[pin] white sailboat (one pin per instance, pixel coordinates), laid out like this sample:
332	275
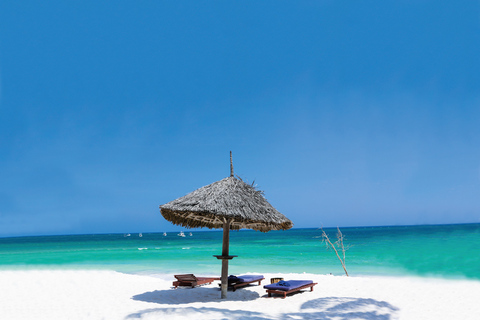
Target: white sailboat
181	234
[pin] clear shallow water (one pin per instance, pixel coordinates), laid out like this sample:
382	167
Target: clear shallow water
449	251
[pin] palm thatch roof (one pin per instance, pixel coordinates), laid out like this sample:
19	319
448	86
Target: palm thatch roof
229	198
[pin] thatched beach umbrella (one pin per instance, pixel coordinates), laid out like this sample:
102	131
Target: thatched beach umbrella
230	204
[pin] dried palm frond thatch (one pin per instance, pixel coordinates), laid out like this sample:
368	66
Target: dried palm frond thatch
229	198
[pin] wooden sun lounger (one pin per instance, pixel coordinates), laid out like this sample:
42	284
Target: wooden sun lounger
285	292
189	280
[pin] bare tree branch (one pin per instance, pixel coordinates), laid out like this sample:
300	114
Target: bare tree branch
339	244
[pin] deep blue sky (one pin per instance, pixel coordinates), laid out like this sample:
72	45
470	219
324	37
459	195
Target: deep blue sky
347	113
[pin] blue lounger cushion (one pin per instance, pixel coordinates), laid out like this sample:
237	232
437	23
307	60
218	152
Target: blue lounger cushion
245	278
288	285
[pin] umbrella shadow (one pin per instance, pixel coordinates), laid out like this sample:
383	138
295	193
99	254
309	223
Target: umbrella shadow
185	296
344	308
198	313
328	308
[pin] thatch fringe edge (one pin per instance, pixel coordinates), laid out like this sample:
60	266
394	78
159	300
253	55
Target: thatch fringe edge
189	219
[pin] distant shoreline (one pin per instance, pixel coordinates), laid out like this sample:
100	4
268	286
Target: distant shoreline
176	230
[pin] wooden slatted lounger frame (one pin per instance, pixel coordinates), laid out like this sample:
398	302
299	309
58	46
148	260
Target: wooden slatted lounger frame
285	292
189	280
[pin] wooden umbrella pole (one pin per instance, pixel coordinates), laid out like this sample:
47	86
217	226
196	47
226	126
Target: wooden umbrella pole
231	165
225	246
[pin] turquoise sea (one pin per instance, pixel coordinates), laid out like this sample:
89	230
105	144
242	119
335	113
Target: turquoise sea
449	251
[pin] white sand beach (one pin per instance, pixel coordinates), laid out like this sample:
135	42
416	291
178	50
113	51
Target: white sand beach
65	294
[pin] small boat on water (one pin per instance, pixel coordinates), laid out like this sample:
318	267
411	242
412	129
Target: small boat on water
190	234
164	234
181	234
140	235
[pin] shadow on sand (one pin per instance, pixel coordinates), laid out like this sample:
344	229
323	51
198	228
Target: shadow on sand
199	294
329	308
198	313
344	308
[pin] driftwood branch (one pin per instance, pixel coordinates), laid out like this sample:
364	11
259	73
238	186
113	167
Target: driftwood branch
338	244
